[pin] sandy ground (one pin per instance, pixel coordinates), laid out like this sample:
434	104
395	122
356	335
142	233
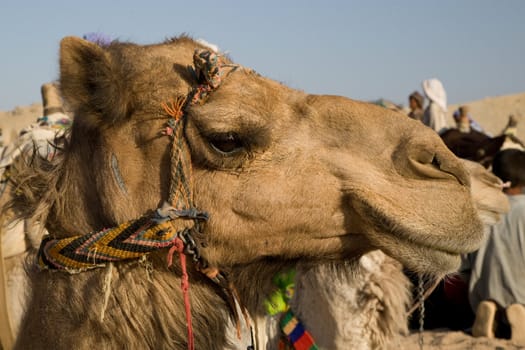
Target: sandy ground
451	340
493	112
11	122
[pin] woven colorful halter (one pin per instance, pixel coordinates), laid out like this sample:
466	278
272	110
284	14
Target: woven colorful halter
136	238
154	230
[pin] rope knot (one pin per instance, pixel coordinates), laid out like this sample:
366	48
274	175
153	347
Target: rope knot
207	67
174	107
177	247
209	72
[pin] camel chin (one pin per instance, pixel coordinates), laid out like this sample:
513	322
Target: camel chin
420	258
422	252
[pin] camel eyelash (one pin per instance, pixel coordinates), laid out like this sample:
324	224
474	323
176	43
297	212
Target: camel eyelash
227	144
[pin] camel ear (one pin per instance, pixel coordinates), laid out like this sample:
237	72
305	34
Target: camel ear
89	82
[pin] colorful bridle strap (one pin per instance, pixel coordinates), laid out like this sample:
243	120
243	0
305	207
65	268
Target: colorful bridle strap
295	332
129	240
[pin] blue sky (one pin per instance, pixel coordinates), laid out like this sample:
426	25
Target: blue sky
360	49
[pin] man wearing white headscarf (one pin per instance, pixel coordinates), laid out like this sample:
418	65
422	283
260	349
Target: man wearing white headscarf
435	115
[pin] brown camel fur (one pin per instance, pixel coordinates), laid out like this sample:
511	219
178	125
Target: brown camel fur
284	175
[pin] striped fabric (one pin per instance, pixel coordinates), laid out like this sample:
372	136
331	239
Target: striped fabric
130	240
295	333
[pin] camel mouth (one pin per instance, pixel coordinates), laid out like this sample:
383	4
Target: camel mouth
416	256
420	250
422	258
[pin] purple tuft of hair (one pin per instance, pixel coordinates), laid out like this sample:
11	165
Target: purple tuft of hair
98	38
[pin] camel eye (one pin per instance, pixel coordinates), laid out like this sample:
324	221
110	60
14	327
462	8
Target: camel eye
226	144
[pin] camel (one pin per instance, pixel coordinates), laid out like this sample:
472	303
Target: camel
283	176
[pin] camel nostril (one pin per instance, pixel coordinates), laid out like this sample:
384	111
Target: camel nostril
451	166
435	162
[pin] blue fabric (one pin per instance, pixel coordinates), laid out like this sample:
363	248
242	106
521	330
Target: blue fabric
296	333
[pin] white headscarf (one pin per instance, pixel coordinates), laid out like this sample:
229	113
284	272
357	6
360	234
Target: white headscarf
435	91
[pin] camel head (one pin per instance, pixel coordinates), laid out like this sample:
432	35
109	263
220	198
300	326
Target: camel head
283	174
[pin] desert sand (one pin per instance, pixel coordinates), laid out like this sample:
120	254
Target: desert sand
491	112
12	122
451	340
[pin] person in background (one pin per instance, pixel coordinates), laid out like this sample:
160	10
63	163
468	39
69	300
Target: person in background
464	121
415	102
497	281
435	115
511	129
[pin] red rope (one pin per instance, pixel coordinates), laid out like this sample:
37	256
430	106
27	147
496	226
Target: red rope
178	246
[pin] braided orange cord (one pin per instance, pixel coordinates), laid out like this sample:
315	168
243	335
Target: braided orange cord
174	107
